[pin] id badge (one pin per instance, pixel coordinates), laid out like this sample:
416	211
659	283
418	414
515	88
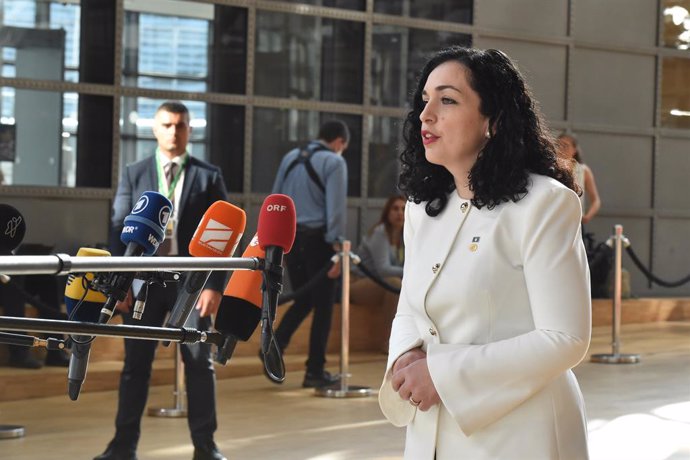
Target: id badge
170	228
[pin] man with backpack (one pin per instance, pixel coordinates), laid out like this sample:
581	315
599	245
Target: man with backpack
315	177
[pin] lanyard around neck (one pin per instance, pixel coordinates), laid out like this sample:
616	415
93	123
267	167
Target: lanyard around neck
161	175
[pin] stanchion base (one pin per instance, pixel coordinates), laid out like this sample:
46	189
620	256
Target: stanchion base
620	358
169	412
11	431
337	391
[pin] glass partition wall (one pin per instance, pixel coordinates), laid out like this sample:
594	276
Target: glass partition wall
259	79
80	81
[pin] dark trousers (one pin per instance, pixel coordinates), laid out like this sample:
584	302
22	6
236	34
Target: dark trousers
134	381
309	254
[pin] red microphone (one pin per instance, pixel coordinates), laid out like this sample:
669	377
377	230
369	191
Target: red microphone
277	223
276	231
241	307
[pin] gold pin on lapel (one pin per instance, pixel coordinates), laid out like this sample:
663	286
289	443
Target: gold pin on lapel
435	268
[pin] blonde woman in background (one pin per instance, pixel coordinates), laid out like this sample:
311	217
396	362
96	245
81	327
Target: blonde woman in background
584	178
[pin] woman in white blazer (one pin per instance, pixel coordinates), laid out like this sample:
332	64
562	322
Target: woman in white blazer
495	308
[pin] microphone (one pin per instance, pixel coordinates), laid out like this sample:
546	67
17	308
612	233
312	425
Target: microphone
217	235
80	307
143	232
83	304
276	231
239	312
12	229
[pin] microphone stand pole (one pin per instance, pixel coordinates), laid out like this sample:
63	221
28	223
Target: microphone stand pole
11	431
182	335
344	390
179	392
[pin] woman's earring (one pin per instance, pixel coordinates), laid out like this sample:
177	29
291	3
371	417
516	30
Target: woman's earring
487	134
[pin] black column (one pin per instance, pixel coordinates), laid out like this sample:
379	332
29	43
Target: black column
96	65
228	53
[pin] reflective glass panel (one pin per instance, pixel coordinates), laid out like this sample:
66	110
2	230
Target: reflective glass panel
288	129
675	93
200	47
39	39
38	137
384	150
459	11
306	57
398	54
676	23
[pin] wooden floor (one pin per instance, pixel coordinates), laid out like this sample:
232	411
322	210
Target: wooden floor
635	411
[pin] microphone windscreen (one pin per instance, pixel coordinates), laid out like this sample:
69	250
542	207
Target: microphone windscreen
277	222
12	229
219	231
145	225
90	308
239	312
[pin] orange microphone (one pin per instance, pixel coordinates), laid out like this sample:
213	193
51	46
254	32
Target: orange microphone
240	310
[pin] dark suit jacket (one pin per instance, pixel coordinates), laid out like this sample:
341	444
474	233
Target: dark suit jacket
203	185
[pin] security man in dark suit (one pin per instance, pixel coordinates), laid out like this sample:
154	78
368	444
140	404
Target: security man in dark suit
192	185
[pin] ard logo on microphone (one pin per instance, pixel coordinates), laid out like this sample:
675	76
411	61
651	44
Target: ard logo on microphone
164	215
276	207
141	204
216	236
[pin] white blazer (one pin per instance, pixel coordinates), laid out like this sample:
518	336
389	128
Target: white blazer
499	300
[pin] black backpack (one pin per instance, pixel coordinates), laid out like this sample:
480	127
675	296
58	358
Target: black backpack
600	261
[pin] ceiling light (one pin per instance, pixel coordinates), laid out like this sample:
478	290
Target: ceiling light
678	14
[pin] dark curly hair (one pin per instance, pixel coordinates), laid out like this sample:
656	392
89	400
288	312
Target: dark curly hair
519	143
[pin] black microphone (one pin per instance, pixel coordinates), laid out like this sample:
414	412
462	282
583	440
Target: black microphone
83	304
143	232
217	235
276	232
240	308
12	229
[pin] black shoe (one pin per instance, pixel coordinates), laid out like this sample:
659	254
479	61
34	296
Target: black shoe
208	453
318	380
25	362
112	453
58	358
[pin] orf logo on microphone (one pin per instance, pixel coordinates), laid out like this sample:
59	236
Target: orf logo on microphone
276	208
141	204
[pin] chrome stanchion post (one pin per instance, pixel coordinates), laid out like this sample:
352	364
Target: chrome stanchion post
344	390
11	431
615	357
179	393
